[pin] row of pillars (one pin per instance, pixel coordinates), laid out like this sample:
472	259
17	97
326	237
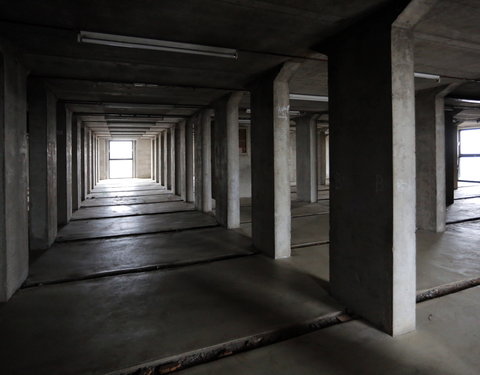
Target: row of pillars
372	159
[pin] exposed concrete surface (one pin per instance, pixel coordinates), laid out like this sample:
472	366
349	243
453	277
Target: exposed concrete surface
102	325
130	210
13	173
305	230
464	209
164	197
446	342
467	190
83	258
115	194
143	158
113	227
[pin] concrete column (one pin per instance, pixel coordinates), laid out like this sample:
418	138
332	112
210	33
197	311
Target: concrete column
171	159
270	140
227	184
372	150
86	188
322	157
13	174
158	159
180	161
189	159
306	149
64	164
451	157
165	154
430	163
76	161
42	139
203	162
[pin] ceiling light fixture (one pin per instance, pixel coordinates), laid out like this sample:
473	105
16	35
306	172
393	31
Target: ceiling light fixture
154	44
434	77
311	98
469	101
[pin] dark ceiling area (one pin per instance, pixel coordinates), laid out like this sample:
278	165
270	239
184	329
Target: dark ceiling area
265	33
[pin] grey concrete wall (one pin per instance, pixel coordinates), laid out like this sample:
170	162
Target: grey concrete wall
143	155
42	112
64	164
306	158
13	174
372	194
203	161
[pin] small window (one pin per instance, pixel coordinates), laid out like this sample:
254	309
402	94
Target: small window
242	140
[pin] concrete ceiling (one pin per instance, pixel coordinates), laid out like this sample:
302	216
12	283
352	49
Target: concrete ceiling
265	33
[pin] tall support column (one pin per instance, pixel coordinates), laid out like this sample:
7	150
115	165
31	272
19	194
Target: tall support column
227	169
171	159
76	163
270	138
430	151
180	181
166	168
189	159
42	137
372	138
86	158
158	158
64	164
451	157
322	157
203	162
13	174
306	149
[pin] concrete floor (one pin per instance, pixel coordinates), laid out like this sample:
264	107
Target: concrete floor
130	210
446	342
104	312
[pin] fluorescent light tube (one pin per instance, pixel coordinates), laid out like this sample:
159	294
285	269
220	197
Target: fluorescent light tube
154	44
311	98
434	77
470	101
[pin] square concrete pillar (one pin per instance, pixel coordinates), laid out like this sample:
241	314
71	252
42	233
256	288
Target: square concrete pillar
306	149
64	164
76	162
158	159
203	162
322	156
13	174
227	169
451	157
171	159
430	162
372	158
180	161
42	139
189	189
270	142
165	153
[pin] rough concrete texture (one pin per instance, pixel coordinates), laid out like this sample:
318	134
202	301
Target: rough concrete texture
464	209
64	164
227	180
372	251
131	200
130	210
123	226
467	190
96	257
136	318
180	160
307	163
189	158
430	160
445	343
270	133
143	158
13	174
203	162
42	138
118	194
